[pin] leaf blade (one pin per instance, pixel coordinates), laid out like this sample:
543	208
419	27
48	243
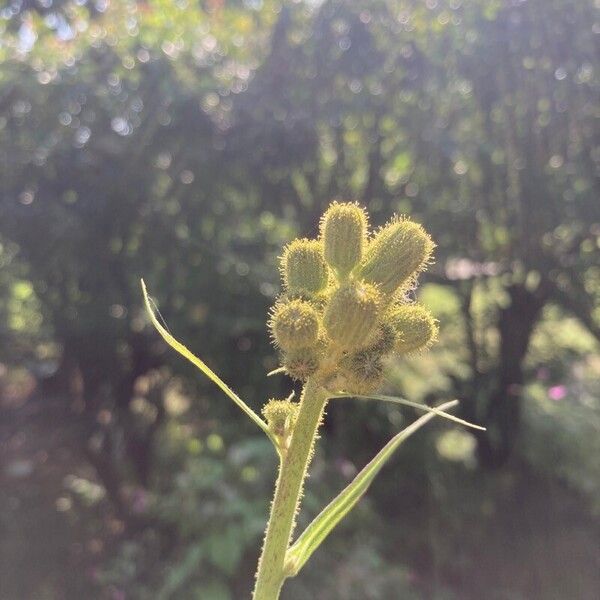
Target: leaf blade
186	353
416	405
312	537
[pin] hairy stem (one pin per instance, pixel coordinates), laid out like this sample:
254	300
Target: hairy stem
288	491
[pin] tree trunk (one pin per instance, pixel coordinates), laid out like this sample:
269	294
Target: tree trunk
503	412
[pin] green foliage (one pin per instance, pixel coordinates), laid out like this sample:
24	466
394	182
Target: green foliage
214	528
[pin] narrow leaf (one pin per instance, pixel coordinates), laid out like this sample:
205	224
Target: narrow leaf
417	405
276	371
312	537
179	347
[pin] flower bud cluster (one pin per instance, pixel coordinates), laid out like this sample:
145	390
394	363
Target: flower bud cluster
344	308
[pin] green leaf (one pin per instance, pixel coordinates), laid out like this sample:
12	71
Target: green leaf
417	405
181	572
179	347
312	537
224	550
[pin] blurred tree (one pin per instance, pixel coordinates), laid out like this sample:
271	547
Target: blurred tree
512	168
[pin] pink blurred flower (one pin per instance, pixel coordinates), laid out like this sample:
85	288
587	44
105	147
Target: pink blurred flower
557	392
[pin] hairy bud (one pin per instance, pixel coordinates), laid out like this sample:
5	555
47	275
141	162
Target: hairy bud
294	324
398	251
344	231
303	267
351	314
280	415
363	371
416	329
383	340
302	363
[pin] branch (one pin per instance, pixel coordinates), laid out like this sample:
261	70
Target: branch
579	304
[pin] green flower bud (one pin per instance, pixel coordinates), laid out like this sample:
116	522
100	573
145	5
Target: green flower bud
383	340
280	415
351	315
398	251
302	363
344	233
294	324
303	267
416	329
363	371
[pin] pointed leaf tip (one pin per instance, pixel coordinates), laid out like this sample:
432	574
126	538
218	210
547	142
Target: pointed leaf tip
416	405
186	353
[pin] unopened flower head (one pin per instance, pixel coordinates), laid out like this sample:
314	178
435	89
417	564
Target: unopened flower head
384	339
294	324
395	254
303	267
280	415
363	371
351	314
416	329
300	364
344	234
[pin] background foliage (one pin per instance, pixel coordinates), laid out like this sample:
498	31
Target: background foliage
185	142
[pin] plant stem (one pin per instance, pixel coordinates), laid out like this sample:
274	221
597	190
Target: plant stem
288	491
